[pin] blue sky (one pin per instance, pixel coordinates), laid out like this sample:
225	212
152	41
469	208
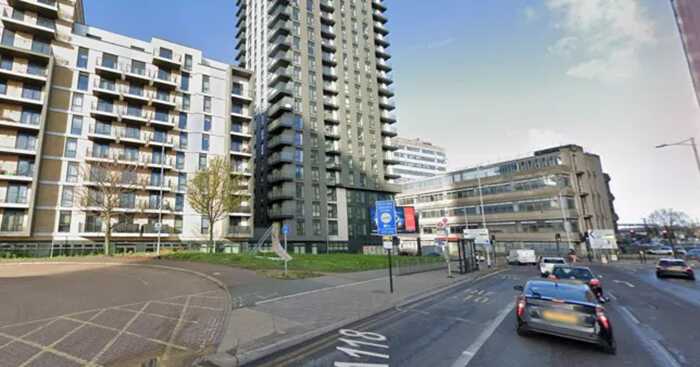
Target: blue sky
498	79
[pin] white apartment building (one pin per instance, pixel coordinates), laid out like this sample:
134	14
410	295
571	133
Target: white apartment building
418	159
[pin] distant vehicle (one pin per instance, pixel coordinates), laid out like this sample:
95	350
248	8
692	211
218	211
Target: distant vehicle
580	274
522	256
693	254
674	268
681	251
663	250
563	309
547	264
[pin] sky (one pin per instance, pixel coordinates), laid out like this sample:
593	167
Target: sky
494	80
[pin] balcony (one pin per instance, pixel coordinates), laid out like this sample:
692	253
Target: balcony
381	40
240	169
156	161
329	73
384	77
167	58
128	113
377	4
279	91
163	100
333	148
281	194
133	229
16	175
327	18
163	120
108	68
328	44
388	130
386	103
280	27
280	59
239	231
102	132
331	117
389	158
379	28
281	42
383	65
333	164
33	50
281	175
285	104
165	80
242	150
280	12
105	88
330	88
328	59
332	132
280	141
279	213
382	52
378	15
241	95
281	75
25	73
330	102
47	8
327	31
131	136
160	141
135	95
387	117
285	121
136	73
20	22
385	90
390	174
280	158
153	230
19	124
242	131
27	97
14	202
388	144
326	5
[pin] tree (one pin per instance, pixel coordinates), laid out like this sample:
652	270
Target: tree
212	193
669	219
103	185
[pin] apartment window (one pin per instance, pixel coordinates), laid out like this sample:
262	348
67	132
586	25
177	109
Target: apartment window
163	95
237	88
31	92
202	161
205	84
207	104
35	68
182	121
156	178
133	132
138	67
299	172
67	197
316	209
299	156
64	221
185	102
237	108
315	174
30	117
180	160
205	142
6	62
188	62
317	228
12	220
207	123
83	81
8	37
3	86
109	61
205	226
41	46
181	181
77	103
300	228
179	202
165	53
72	172
71	148
127	200
25	141
25	167
82	58
332	228
298	138
185	81
183	140
16	194
135	89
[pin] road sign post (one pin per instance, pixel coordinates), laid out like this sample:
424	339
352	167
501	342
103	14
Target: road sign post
385	212
285	230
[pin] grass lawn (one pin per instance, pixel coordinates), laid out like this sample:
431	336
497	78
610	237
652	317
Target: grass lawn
322	263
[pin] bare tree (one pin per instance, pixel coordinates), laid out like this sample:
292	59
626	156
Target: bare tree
212	193
669	219
103	185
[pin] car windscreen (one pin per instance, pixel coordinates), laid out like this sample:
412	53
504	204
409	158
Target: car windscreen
672	263
572	273
566	293
554	261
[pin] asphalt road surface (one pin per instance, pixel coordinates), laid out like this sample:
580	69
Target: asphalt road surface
59	315
655	323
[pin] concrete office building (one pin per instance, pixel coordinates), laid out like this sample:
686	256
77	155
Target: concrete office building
72	95
525	201
418	159
324	147
687	13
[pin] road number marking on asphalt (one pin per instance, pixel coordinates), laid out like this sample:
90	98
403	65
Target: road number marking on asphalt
624	282
354	339
477	296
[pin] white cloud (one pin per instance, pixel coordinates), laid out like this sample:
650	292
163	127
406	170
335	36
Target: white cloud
605	36
530	13
441	43
545	138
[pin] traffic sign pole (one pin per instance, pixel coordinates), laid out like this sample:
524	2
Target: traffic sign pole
391	277
285	230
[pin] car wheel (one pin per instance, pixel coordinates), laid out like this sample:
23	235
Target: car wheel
610	347
692	278
658	275
520	329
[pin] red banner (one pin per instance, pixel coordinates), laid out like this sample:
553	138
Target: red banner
409	214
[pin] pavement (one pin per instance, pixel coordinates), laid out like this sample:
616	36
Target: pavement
103	312
473	324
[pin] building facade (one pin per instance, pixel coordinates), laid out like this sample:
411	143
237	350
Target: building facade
324	147
418	159
687	13
73	96
524	202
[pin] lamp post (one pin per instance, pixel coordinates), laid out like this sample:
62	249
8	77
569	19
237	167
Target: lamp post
687	142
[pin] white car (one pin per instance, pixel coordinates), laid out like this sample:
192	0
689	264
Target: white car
663	250
547	264
522	256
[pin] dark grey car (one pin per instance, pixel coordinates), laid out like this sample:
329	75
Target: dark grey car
564	309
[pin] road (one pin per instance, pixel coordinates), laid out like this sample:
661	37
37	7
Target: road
655	324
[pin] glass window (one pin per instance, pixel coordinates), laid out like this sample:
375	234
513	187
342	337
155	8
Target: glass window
67	197
202	161
64	221
299	172
16	194
205	84
72	172
183	140
136	89
186	102
12	220
25	141
82	57
185	81
237	88
3	86
25	167
207	104
205	142
71	148
41	46
77	104
30	116
83	81
6	62
188	62
8	37
35	68
138	67
31	92
180	160
205	226
207	123
182	121
182	181
165	53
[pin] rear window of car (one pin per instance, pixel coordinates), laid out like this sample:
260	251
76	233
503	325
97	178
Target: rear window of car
578	294
554	261
672	263
572	273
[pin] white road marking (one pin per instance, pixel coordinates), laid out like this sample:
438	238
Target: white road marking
177	328
624	282
318	290
612	296
469	353
120	333
658	352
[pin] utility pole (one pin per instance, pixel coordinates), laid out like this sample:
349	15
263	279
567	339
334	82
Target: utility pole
687	142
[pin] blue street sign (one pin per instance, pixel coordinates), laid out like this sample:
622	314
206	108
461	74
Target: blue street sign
385	217
285	229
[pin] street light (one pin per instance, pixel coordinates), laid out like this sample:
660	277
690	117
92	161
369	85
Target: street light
687	142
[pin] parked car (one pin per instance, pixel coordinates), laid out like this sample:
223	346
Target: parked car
674	268
547	264
522	256
663	250
693	254
563	309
